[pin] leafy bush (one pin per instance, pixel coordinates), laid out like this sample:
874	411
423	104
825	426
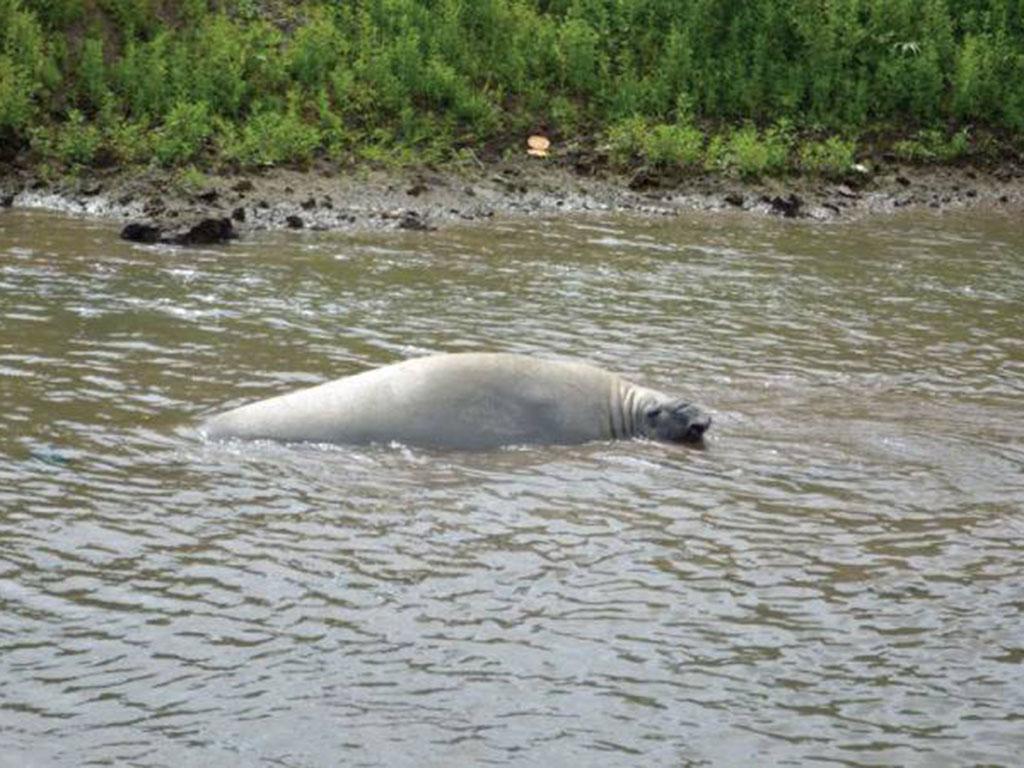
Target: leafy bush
77	140
409	76
831	158
673	145
92	76
626	139
753	154
930	146
184	133
15	104
270	138
128	142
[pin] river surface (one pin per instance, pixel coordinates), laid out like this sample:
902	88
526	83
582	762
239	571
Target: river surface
836	579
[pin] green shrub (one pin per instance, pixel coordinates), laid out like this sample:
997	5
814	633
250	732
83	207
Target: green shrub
753	154
831	158
77	140
314	51
92	76
128	142
271	138
626	140
217	67
673	145
184	133
932	145
407	76
142	77
15	103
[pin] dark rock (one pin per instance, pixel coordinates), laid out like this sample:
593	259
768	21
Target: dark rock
125	199
243	186
642	179
787	207
6	201
469	192
413	221
238	214
263	204
289	190
138	232
416	189
903	180
971	193
734	198
309	204
295	222
205	232
208	196
1004	198
327	202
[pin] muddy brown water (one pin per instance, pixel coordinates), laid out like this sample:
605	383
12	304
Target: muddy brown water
838	578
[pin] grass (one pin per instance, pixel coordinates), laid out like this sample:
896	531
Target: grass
755	88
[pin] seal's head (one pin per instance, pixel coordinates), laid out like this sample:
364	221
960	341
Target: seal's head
676	421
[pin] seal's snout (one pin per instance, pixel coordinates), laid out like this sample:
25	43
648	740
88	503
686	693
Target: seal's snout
698	426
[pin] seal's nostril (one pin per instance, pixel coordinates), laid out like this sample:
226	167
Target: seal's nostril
697	429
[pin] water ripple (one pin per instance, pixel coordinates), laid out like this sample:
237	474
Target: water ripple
835	579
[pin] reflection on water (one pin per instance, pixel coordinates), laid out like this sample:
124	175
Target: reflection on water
836	579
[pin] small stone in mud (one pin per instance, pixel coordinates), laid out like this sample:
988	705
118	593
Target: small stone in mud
294	222
416	189
206	232
469	192
903	180
153	207
734	198
137	232
243	186
238	214
1004	198
263	204
971	193
412	220
309	204
787	206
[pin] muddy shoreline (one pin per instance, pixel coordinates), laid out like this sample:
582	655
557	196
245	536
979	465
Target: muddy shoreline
210	208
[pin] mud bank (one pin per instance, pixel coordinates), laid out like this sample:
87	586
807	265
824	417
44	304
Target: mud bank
161	207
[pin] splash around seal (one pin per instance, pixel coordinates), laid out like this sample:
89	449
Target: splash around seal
469	401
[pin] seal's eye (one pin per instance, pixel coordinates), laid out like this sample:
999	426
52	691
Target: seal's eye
651	414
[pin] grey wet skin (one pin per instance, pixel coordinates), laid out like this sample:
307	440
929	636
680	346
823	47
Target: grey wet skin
469	401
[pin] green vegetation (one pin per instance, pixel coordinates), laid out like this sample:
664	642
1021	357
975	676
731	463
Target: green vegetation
753	88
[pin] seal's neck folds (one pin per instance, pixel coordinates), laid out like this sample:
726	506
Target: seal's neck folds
628	403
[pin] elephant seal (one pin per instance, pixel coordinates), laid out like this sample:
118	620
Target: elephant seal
467	401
